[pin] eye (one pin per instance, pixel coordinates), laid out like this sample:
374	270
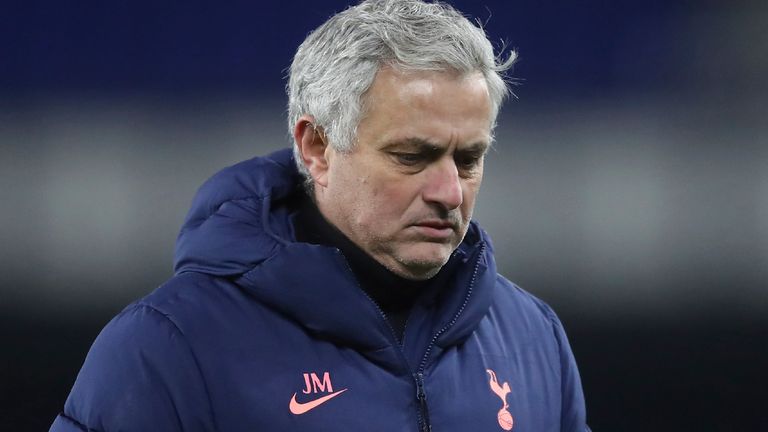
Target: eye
408	159
468	161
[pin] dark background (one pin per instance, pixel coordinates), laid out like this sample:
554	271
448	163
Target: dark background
628	187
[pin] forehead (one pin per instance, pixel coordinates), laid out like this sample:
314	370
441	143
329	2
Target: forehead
428	105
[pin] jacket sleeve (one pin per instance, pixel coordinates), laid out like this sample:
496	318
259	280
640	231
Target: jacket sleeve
139	375
574	415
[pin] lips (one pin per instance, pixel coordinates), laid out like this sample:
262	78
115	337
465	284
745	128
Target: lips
436	224
435	229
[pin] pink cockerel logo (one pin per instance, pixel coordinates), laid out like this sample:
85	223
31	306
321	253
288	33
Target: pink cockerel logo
505	418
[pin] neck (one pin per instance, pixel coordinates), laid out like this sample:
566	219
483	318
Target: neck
395	295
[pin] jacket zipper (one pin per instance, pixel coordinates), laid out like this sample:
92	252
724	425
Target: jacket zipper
424	421
421	396
424	424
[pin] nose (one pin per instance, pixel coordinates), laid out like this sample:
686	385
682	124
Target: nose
443	185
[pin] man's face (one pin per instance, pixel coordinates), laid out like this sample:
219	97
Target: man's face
406	192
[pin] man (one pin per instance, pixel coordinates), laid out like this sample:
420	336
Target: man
344	287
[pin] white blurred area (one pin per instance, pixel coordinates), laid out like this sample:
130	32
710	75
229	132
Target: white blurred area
622	209
621	204
94	192
608	206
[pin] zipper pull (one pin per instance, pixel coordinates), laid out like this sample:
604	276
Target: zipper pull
426	426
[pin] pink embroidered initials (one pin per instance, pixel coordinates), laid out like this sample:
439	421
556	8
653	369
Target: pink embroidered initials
314	385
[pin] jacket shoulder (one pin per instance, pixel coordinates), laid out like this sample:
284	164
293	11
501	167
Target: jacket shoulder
142	372
541	320
509	294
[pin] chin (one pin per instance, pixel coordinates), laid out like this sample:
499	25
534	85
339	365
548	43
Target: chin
416	272
422	266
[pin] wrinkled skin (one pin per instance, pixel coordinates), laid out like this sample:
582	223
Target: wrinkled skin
405	193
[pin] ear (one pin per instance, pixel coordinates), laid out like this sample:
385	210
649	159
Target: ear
313	146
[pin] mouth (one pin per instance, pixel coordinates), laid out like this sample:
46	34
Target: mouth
435	229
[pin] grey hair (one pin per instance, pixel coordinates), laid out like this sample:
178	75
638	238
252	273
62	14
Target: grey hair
337	63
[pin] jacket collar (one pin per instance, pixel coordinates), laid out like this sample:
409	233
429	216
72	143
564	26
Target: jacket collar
239	227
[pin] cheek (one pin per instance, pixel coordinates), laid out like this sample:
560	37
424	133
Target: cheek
367	201
384	202
470	195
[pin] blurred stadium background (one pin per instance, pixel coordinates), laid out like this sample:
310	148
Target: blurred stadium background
628	187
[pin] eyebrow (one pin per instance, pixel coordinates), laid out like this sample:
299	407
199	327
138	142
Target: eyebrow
426	145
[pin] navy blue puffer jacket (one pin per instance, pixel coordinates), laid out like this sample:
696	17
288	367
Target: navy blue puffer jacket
258	332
